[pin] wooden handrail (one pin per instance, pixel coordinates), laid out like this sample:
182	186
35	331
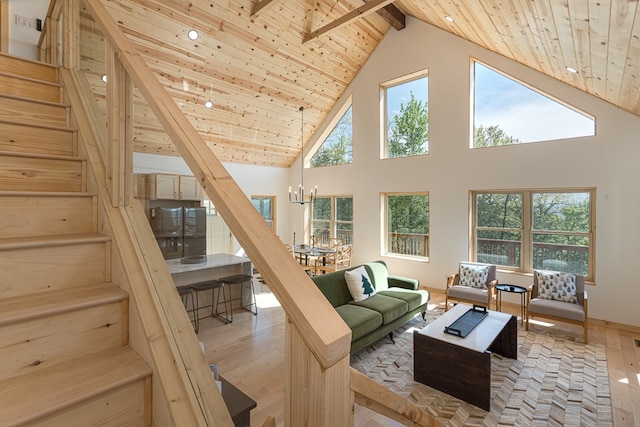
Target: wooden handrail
318	345
326	334
134	247
378	398
318	332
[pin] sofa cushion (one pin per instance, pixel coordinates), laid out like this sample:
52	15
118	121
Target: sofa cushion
334	287
390	308
414	299
359	284
379	275
360	320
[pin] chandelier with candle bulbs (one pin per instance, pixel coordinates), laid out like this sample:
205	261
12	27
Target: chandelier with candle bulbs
299	195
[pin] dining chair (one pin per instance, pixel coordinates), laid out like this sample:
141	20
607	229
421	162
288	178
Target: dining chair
315	241
339	259
303	260
335	241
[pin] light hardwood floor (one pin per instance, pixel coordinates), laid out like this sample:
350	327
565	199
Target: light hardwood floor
250	354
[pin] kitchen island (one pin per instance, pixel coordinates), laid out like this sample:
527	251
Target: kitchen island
211	267
214	267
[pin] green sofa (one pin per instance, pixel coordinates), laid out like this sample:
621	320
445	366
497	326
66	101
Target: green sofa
396	301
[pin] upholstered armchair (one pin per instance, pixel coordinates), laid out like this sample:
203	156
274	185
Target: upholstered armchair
559	296
474	283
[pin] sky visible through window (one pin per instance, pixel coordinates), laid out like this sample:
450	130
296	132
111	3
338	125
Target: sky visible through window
401	94
523	113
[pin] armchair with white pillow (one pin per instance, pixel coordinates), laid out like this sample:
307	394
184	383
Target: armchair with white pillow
474	283
559	296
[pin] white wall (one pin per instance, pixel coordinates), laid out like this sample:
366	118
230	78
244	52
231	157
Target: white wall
23	41
606	162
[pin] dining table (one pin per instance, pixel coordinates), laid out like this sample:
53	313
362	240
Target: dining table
307	252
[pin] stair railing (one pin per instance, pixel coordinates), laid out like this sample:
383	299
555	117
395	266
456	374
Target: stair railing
320	387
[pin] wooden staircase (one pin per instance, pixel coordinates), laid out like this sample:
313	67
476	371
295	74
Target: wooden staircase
64	329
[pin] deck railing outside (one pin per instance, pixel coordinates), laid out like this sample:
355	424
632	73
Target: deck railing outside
545	256
409	244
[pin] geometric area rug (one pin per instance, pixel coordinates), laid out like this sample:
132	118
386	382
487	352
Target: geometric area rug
555	381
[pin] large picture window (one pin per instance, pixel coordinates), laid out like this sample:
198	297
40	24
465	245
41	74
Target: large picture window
332	217
536	230
506	112
406	116
407	224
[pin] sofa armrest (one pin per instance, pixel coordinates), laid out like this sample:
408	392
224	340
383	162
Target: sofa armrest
403	282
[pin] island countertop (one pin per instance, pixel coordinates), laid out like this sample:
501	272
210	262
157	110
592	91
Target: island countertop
216	266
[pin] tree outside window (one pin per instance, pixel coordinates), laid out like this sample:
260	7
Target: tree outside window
536	230
332	217
407	118
407	224
337	149
506	112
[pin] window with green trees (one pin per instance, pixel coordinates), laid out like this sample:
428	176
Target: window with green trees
337	148
266	206
536	230
506	112
407	224
406	116
332	216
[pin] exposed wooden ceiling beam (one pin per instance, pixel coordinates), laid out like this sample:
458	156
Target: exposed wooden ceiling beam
262	6
393	16
370	7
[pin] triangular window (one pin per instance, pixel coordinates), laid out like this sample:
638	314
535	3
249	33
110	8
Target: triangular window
509	112
337	148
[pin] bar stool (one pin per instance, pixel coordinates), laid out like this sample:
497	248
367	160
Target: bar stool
185	292
241	279
215	300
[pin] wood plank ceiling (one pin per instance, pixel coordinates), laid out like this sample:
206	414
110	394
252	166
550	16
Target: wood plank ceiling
260	60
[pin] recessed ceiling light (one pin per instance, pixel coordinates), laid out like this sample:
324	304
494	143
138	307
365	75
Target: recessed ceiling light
208	104
193	35
571	70
103	78
449	18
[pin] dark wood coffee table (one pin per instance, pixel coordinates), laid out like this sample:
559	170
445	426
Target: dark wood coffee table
459	366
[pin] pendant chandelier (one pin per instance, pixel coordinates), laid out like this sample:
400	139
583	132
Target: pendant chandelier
299	196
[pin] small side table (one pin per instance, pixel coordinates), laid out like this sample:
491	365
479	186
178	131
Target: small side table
515	289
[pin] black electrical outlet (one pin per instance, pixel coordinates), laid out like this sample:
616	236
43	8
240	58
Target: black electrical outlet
39	24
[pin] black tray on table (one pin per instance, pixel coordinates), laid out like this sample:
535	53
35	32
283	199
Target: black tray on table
467	322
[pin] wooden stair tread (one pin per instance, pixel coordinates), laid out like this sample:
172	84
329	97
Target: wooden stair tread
40	156
34	100
31	396
43	304
35	124
8	193
56	240
31	79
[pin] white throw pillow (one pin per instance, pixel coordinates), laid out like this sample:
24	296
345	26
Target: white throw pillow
557	286
474	276
359	284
